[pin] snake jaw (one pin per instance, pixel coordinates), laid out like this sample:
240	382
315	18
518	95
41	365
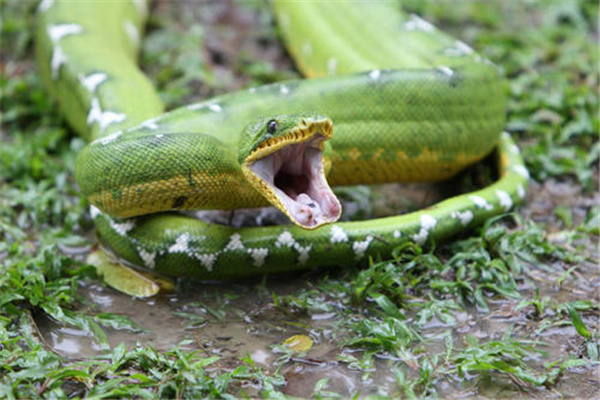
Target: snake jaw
289	172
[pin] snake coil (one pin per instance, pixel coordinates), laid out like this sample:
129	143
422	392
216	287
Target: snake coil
408	103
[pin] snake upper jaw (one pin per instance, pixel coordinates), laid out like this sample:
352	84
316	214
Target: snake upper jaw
293	178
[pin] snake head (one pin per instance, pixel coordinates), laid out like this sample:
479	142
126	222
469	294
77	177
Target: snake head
282	158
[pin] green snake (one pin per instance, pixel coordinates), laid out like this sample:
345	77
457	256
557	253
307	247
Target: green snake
390	98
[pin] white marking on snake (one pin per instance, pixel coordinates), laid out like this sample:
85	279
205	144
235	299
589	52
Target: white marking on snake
465	217
481	202
207	260
338	235
95	111
215	107
505	200
92	81
122	228
521	170
196	106
332	64
258	255
94	212
488	62
160	135
484	60
110	138
446	71
417	23
521	191
142	7
427	223
459	49
235	243
284	89
361	247
147	256
465	48
181	244
58	59
57	32
375	74
45	5
302	252
104	118
514	149
397	234
133	33
199	106
285	239
150	124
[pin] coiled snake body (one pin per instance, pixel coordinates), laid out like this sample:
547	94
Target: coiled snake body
407	102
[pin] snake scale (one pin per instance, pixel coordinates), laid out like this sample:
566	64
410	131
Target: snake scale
390	98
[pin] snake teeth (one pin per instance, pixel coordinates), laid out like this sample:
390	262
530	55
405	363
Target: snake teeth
294	175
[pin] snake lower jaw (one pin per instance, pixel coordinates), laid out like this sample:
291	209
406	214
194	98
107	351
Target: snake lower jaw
293	179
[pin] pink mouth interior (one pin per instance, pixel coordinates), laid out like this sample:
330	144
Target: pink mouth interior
295	173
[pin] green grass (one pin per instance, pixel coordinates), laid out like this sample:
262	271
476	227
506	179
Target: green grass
407	315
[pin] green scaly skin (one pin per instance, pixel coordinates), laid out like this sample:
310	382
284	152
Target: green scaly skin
86	53
416	105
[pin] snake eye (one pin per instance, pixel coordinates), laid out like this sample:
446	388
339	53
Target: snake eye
272	126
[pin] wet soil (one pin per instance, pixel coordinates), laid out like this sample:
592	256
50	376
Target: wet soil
237	319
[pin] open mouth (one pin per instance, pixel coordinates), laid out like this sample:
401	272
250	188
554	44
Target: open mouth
294	179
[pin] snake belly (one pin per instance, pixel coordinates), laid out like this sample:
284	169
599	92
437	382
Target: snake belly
409	104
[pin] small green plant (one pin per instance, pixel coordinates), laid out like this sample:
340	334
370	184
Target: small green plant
506	356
